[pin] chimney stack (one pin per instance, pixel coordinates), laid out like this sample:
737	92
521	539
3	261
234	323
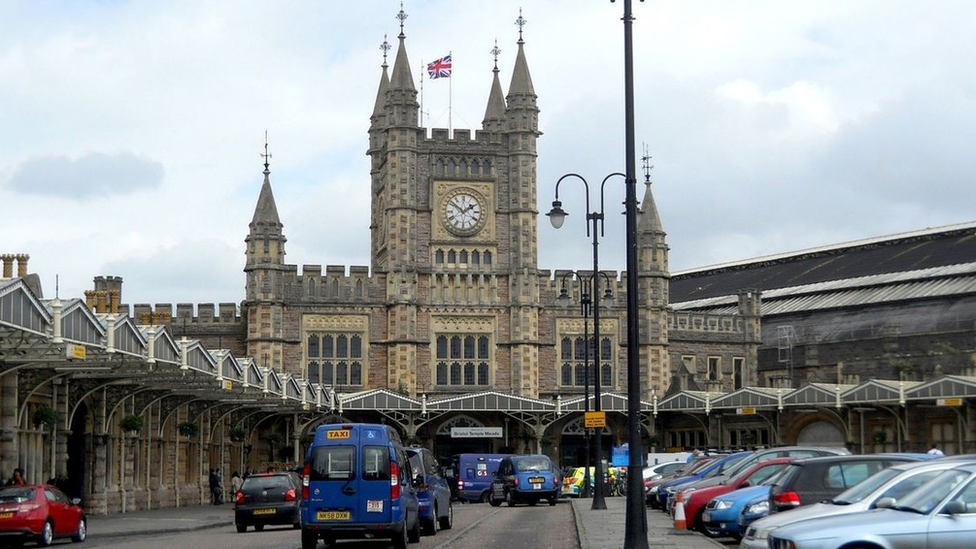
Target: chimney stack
22	265
8	265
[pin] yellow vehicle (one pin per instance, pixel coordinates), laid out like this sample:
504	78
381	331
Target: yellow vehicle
573	480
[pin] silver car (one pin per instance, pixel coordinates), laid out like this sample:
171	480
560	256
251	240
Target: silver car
893	482
940	514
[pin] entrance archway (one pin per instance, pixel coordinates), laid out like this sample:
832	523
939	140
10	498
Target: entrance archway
572	448
447	446
76	453
820	433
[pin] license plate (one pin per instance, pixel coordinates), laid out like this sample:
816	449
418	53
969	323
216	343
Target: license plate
374	506
706	516
6	515
333	515
536	480
264	511
536	485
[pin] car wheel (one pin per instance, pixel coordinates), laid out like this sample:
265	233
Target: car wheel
510	499
552	502
486	496
47	535
241	528
81	534
532	502
258	527
447	522
309	540
494	502
430	526
413	536
400	538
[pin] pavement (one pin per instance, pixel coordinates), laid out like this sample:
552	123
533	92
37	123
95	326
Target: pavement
167	520
604	529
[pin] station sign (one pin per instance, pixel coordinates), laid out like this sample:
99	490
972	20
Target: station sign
476	432
228	385
75	352
595	420
949	402
749	411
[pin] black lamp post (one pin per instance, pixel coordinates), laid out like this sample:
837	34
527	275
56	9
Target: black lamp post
585	303
557	216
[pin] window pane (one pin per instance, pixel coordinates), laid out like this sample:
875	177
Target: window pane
356	374
327	346
456	347
567	377
441	346
441	373
580	349
607	375
606	349
469	373
313	371
475	257
469	347
439	257
451	256
313	346
332	463
327	377
376	463
483	373
464	256
357	346
342	346
342	372
455	373
566	352
580	375
487	257
483	347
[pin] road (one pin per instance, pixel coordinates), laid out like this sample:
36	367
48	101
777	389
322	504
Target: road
476	526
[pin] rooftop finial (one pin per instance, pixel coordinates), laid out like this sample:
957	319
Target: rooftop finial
385	46
266	155
401	16
521	23
495	51
646	159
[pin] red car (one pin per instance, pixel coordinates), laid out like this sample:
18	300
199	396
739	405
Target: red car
40	513
696	499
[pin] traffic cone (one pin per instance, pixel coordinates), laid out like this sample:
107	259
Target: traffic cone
679	513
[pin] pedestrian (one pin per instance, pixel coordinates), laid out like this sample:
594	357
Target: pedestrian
235	483
213	484
935	451
219	494
693	455
17	479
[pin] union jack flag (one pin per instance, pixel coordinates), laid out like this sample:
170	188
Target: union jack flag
440	68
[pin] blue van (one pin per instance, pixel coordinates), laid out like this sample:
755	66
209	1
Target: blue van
356	485
474	475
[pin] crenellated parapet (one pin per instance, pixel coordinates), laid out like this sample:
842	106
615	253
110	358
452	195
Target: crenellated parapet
334	285
461	139
552	283
705	323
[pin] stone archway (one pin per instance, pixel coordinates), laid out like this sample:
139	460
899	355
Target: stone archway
447	446
821	433
572	446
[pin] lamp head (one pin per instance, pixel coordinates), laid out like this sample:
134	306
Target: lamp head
557	215
563	299
608	293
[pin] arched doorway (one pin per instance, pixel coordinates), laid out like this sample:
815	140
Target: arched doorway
447	446
821	433
572	449
77	444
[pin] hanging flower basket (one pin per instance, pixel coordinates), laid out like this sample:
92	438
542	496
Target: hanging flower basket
131	424
188	429
236	434
45	416
880	437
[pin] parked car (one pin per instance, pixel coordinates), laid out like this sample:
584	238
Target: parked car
40	513
940	514
474	475
268	498
666	491
721	516
695	499
894	482
653	486
809	481
525	479
356	485
799	452
433	492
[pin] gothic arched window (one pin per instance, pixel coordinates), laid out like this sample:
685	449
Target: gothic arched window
475	257
455	373
439	167
359	288
567	374
441	373
475	167
356	374
335	287
463	167
313	345
487	257
483	373
313	372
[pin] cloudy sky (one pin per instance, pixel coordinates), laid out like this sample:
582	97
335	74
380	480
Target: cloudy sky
132	129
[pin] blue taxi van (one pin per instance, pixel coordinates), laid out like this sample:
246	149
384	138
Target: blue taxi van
356	484
525	479
474	475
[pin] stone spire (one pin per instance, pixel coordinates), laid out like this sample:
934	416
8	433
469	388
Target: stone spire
265	240
649	221
495	112
384	83
402	79
521	79
266	211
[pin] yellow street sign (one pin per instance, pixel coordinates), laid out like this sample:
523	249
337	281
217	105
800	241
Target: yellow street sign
595	420
75	352
228	385
949	402
745	411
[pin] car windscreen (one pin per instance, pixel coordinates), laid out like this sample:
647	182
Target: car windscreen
927	496
376	463
726	466
332	463
860	491
532	464
16	494
266	483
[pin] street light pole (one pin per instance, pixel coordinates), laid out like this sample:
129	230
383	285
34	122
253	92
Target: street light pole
557	216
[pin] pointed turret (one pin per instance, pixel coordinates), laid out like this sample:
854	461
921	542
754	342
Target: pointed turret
402	108
380	104
521	79
266	211
265	240
649	221
522	111
495	111
402	79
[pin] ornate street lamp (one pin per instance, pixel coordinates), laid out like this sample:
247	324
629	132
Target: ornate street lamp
585	302
557	216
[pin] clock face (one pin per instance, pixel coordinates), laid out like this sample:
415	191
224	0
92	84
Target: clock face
463	213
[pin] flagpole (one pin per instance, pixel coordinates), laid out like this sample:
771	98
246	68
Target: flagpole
422	93
450	95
